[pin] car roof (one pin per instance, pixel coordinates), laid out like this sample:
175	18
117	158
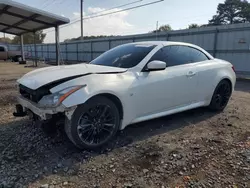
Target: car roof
165	43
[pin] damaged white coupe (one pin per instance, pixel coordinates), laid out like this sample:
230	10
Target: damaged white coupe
127	84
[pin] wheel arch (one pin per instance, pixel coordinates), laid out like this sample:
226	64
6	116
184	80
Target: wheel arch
229	81
223	78
215	84
226	79
114	99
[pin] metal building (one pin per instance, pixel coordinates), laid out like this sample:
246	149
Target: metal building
18	19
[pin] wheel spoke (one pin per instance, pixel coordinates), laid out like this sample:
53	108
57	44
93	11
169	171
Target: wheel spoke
83	126
104	111
85	120
108	120
86	130
96	139
92	138
108	124
90	133
105	129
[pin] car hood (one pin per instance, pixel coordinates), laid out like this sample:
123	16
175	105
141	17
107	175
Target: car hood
44	76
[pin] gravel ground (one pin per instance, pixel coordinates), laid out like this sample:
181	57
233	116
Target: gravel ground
197	148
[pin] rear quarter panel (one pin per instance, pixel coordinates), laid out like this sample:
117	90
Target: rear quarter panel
210	74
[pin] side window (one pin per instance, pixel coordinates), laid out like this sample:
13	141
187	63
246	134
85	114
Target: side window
197	55
179	55
2	49
160	55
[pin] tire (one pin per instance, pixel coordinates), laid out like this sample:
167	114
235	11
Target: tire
15	59
221	96
93	124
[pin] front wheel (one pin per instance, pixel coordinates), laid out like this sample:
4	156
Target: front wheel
94	123
221	96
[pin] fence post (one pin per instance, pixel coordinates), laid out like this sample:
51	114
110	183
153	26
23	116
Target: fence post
42	50
109	44
66	51
91	50
48	52
167	36
77	51
215	41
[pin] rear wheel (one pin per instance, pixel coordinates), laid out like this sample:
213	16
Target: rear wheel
221	96
94	123
16	58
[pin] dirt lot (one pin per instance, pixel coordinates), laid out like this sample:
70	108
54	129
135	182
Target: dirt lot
197	148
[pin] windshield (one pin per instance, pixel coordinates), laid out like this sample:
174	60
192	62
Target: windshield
125	56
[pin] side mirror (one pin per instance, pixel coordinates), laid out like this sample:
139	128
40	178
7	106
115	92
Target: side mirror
156	65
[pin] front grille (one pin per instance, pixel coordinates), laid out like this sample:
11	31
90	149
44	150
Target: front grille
33	95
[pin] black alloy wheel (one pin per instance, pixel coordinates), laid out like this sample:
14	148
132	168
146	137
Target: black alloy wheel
221	96
94	123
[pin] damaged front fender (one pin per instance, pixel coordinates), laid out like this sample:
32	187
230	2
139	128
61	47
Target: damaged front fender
69	112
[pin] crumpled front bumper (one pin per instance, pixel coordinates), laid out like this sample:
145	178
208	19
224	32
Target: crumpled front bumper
43	113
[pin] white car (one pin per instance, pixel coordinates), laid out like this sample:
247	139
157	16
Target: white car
127	84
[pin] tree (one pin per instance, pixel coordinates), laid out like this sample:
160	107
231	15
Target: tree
166	27
28	38
5	40
230	12
245	11
192	26
89	37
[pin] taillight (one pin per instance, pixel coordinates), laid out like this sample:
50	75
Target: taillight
233	68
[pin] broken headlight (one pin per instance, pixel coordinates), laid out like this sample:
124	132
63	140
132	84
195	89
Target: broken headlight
55	99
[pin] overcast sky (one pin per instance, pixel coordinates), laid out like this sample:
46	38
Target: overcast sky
178	13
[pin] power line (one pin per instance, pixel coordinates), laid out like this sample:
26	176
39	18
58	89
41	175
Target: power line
119	6
47	3
52	3
100	15
95	13
44	3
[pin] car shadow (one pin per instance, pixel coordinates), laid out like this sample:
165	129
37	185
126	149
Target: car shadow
28	154
144	130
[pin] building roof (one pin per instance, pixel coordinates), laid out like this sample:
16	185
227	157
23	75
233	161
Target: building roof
17	18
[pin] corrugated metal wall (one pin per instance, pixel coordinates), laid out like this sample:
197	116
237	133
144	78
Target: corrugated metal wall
229	42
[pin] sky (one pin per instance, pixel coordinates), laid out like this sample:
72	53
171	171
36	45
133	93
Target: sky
177	13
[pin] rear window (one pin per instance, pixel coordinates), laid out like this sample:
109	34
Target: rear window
125	56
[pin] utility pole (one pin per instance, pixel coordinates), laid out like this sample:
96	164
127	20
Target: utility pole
81	19
4	38
156	31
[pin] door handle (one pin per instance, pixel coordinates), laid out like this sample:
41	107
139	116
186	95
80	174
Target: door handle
191	73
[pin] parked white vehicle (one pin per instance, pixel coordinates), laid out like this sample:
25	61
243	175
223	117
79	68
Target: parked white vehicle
127	84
